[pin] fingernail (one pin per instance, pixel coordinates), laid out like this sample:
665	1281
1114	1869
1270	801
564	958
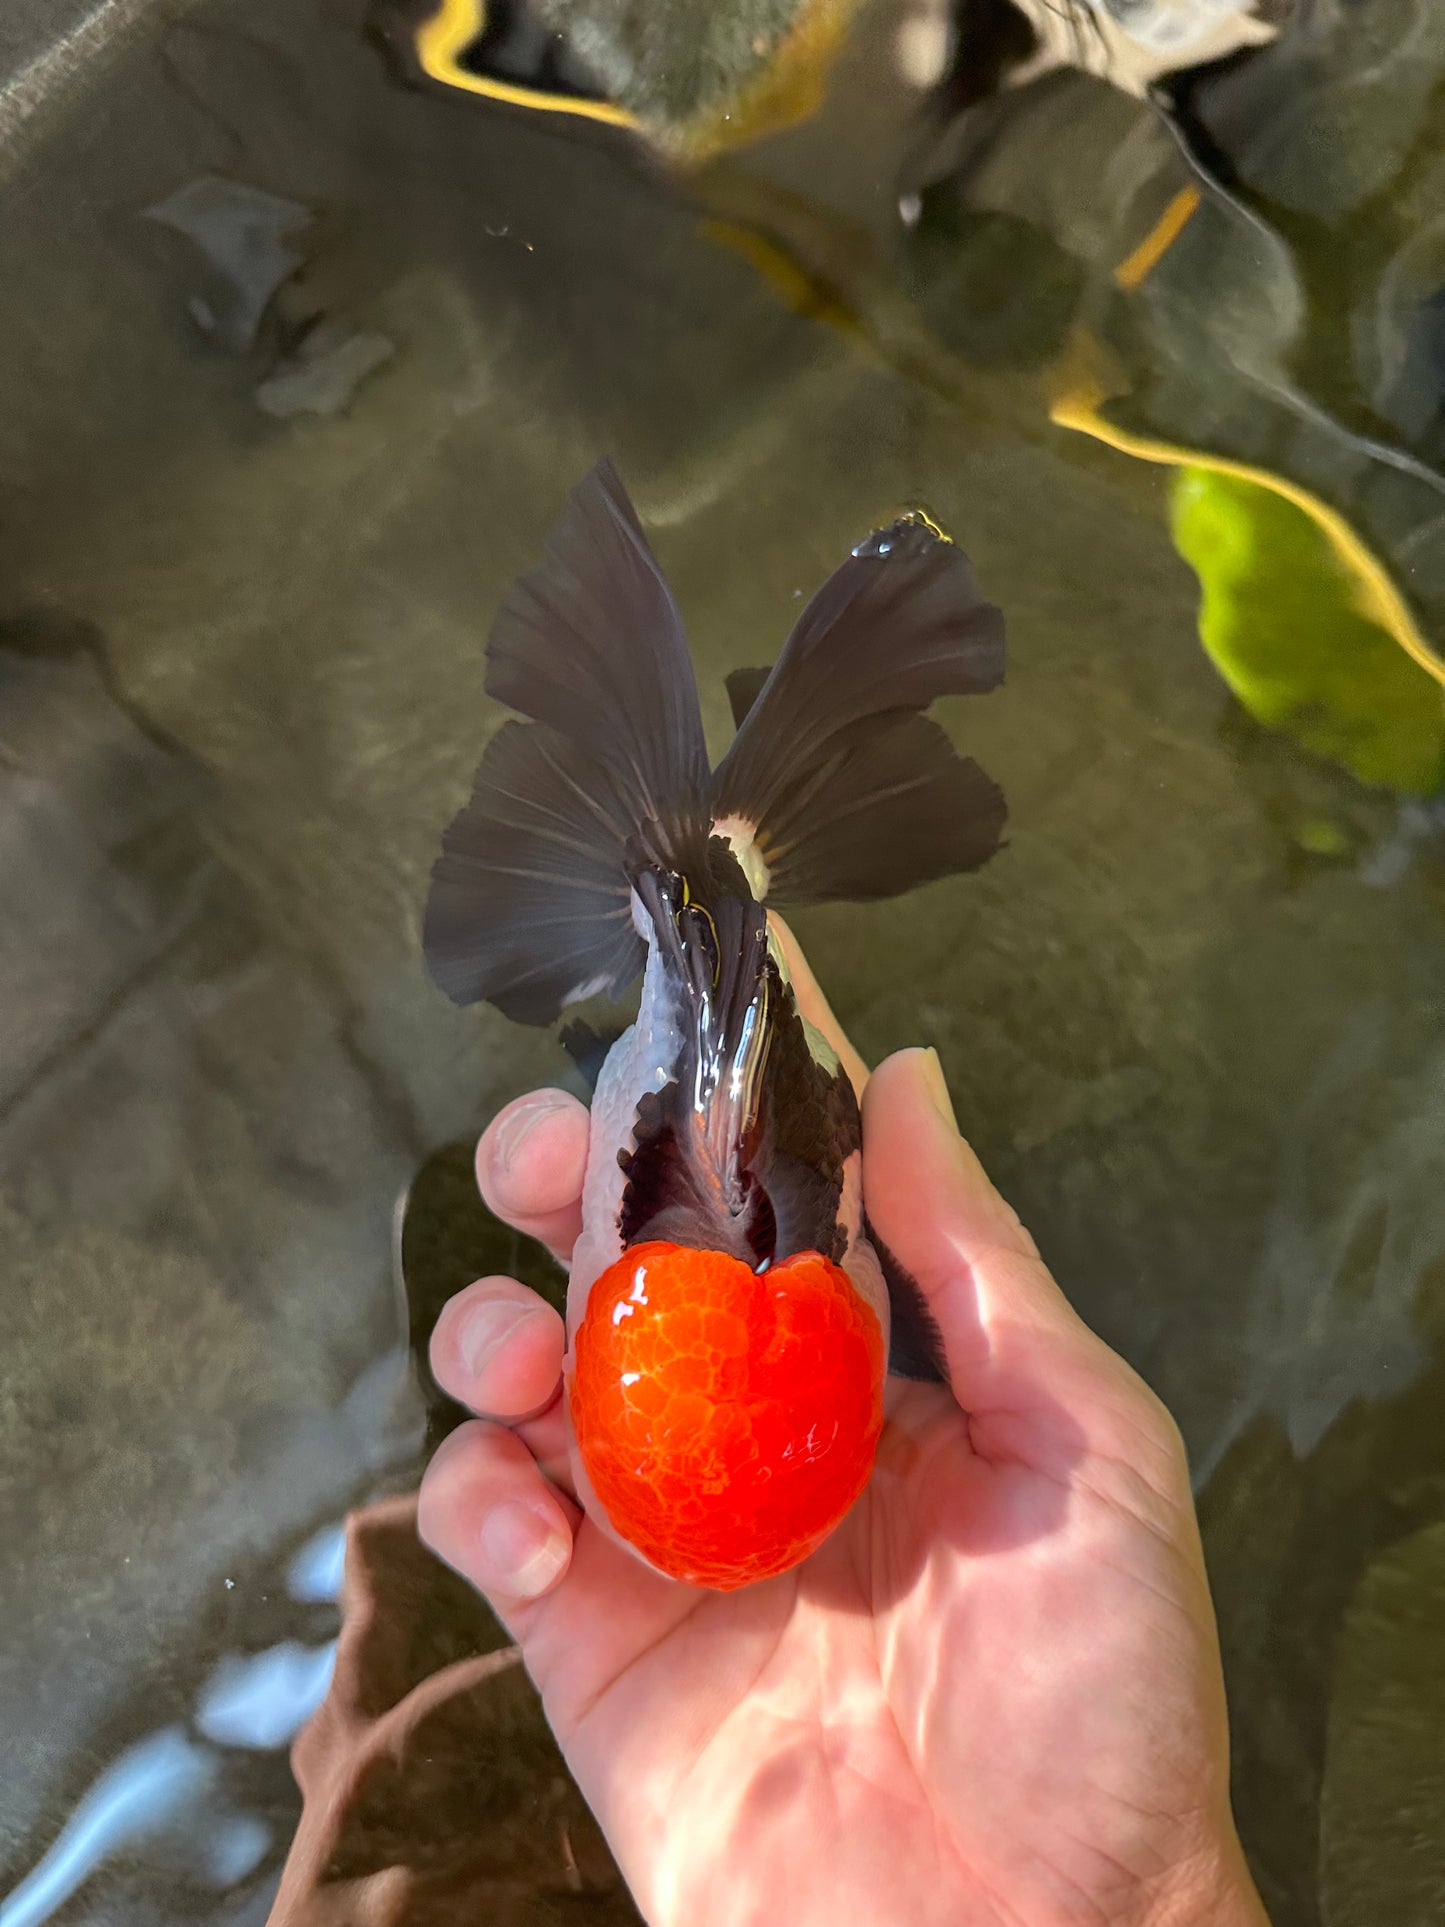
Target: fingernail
523	1549
487	1328
934	1082
518	1128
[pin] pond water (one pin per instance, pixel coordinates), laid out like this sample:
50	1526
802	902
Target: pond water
298	358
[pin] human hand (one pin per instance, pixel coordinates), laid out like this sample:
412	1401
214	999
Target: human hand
992	1696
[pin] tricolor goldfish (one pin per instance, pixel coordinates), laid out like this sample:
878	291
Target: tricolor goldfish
729	1318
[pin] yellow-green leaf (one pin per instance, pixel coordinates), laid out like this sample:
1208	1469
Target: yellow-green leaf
1280	615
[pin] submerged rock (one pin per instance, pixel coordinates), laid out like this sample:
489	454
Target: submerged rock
249	238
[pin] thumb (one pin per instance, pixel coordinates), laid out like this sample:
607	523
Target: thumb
1037	1384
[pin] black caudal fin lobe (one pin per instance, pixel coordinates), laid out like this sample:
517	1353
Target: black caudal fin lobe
850	791
530	903
592	645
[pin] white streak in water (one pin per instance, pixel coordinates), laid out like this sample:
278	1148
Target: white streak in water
236	1848
144	1790
264	1700
315	1572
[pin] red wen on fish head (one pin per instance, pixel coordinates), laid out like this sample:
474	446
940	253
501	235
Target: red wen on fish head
727	1418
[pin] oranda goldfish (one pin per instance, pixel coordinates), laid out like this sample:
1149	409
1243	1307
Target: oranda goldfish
729	1318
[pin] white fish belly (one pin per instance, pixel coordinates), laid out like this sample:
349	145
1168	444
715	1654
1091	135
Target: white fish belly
643	1059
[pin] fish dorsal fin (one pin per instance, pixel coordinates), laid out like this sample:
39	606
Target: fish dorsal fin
743	1149
687	1171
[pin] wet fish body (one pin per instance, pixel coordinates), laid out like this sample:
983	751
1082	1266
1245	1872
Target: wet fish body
598	845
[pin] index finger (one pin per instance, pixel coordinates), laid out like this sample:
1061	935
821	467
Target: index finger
530	1165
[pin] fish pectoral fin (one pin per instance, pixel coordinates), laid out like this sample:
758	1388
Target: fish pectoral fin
915	1347
744	686
588	1045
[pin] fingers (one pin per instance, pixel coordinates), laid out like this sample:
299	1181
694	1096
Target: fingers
497	1349
815	1006
486	1509
1035	1381
912	1146
530	1165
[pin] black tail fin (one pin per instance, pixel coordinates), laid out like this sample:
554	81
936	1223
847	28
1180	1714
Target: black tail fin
850	792
530	902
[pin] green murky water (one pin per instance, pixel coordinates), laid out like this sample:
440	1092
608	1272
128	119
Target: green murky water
1192	1016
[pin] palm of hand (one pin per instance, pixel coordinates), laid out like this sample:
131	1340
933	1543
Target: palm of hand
915	1708
993	1695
